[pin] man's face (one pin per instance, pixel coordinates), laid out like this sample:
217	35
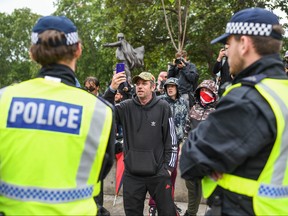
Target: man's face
163	76
118	97
91	87
235	60
171	90
144	89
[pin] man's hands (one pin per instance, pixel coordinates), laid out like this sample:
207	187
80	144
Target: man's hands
179	62
117	79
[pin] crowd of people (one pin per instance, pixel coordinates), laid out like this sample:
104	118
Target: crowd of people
58	139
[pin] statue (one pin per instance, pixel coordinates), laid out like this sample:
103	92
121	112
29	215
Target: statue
125	53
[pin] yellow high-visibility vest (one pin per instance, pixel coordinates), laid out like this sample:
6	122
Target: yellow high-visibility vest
270	191
53	141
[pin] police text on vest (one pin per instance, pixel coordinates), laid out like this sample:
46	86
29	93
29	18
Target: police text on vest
42	114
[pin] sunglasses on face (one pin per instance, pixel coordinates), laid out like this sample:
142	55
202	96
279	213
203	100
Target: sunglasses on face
89	89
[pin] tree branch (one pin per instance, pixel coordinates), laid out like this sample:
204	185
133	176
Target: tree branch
167	25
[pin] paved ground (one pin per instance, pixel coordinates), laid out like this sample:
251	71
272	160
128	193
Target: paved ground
117	209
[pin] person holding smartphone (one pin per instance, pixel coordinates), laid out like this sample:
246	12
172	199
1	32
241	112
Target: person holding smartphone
125	86
222	66
150	145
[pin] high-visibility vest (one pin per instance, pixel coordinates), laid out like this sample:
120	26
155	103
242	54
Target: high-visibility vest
53	141
270	191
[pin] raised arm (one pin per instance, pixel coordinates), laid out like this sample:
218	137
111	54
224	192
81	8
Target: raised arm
115	44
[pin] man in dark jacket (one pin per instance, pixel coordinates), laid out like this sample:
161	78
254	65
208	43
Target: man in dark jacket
235	142
150	145
187	75
221	66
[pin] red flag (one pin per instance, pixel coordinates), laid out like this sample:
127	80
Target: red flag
119	173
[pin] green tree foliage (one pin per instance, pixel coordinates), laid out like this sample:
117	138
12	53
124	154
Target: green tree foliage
141	21
15	41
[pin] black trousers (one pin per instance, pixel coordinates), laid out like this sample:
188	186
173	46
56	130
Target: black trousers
159	187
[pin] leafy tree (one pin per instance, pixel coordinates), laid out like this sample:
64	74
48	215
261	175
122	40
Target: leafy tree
15	41
190	24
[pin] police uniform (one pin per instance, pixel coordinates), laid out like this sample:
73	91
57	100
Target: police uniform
245	137
52	148
54	138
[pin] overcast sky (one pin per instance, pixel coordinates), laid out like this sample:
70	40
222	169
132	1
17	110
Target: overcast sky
42	7
45	7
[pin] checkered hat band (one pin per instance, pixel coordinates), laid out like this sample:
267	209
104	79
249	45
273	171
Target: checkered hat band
44	194
273	191
245	28
71	38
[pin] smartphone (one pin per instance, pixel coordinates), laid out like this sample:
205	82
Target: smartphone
120	67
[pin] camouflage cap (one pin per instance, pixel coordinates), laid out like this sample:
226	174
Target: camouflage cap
171	81
144	76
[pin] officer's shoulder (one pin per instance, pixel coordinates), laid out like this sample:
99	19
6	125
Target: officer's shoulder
105	102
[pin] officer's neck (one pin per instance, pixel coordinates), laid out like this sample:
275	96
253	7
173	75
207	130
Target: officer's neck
71	64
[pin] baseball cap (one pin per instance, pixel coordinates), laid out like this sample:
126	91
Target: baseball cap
144	76
286	54
251	21
58	23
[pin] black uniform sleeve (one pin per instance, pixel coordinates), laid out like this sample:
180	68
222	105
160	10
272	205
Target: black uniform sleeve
236	133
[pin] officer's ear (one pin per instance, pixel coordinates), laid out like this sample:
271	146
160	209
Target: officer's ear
31	56
78	52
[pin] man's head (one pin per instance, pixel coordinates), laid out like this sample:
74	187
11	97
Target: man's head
118	96
92	85
250	34
181	58
145	85
171	87
162	76
54	39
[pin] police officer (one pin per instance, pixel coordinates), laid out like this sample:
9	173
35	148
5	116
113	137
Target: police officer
56	140
242	145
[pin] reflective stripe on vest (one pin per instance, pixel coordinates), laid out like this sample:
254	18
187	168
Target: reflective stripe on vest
270	191
44	194
92	142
